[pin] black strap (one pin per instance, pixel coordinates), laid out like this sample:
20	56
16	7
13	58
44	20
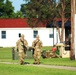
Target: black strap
34	46
36	43
25	48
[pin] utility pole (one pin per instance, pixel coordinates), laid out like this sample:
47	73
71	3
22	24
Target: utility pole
72	51
75	31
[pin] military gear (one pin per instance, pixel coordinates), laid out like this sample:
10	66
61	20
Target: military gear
24	47
37	45
48	54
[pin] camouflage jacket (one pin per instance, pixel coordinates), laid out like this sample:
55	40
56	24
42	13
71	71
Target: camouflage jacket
20	45
37	44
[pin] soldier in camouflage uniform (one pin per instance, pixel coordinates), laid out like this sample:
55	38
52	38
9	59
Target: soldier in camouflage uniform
37	45
50	53
21	46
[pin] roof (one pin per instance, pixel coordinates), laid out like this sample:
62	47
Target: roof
22	23
13	23
17	23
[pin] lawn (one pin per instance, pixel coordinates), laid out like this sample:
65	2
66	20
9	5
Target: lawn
6	55
10	69
16	69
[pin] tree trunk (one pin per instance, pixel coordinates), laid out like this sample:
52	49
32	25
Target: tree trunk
62	31
63	17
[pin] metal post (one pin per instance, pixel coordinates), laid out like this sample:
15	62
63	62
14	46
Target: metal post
13	54
53	35
57	36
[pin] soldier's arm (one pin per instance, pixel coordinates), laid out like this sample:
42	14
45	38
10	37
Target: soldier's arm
33	44
25	42
16	47
41	46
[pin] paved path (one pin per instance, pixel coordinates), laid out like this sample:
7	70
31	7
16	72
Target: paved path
46	66
58	67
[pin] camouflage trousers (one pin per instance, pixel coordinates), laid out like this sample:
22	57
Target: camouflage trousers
48	54
37	55
21	57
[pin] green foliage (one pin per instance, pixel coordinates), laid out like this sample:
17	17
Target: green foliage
19	14
40	9
67	10
6	9
46	10
1	7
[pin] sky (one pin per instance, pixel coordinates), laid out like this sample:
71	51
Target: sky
17	4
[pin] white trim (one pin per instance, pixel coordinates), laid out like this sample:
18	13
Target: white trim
23	28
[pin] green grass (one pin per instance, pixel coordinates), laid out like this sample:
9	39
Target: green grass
47	48
16	69
59	61
7	69
6	55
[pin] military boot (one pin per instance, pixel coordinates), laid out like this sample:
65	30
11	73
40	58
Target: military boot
35	61
22	63
38	61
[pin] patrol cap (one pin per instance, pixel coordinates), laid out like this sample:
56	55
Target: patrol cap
22	35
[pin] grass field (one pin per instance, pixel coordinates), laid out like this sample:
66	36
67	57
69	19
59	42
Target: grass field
16	69
31	70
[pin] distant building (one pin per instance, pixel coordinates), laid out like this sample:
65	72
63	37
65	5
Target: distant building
11	29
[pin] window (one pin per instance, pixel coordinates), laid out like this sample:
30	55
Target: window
3	34
35	32
51	35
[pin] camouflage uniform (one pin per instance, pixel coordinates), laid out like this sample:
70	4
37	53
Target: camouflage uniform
37	45
54	51
50	53
20	48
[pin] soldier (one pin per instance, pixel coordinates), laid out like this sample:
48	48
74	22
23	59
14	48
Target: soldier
50	53
54	51
21	46
37	45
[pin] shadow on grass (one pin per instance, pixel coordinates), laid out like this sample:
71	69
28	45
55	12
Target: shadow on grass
26	63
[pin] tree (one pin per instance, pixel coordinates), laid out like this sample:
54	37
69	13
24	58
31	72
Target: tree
38	10
23	7
19	14
7	9
64	11
48	10
1	7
